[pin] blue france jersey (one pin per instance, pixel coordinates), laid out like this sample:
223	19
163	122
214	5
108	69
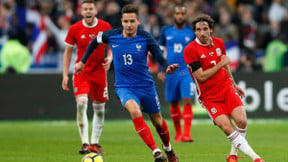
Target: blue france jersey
130	57
175	40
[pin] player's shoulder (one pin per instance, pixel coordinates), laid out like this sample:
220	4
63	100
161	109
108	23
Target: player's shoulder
143	33
103	23
113	32
217	40
76	25
166	27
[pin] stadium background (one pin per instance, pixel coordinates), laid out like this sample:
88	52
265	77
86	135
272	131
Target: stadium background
248	28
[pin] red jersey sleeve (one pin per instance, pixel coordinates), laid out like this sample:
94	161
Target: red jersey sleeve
70	39
190	55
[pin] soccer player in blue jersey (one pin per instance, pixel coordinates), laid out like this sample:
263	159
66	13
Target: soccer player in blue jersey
179	85
134	85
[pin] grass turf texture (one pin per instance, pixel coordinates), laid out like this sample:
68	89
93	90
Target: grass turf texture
58	141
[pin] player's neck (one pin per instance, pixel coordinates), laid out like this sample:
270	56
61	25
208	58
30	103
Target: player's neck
178	26
128	35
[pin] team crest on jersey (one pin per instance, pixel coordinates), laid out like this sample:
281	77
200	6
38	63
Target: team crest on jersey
187	39
218	51
138	46
213	110
91	36
82	36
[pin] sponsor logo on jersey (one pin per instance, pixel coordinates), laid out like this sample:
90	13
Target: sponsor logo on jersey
218	51
213	110
114	45
202	56
82	36
169	37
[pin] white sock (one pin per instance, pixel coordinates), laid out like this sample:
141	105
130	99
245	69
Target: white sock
82	119
241	143
98	122
156	150
168	148
242	132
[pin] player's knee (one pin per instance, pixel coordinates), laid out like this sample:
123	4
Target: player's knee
242	124
99	109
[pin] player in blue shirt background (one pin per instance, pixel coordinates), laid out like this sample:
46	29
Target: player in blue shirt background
134	85
179	85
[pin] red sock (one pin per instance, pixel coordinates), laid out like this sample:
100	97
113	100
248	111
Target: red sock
187	117
164	133
175	113
145	133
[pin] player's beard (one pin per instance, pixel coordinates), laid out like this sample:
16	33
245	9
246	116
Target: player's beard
180	24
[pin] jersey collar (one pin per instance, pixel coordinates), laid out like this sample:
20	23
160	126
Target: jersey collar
198	41
88	26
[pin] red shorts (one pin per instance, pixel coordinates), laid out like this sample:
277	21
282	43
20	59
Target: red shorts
224	102
83	84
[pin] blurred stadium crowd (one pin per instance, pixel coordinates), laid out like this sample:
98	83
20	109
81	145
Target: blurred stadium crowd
255	32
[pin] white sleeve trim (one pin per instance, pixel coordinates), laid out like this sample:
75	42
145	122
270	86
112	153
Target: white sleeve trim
99	38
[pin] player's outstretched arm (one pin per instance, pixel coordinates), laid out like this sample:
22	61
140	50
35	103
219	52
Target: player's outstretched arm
91	47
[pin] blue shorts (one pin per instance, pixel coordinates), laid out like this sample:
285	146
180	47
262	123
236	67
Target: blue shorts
178	86
146	97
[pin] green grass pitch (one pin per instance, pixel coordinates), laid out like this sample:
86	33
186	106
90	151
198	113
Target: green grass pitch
58	141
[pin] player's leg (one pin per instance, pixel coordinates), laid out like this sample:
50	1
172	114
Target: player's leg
187	94
239	142
172	95
131	102
142	129
235	108
81	90
175	113
151	105
82	122
187	118
99	95
240	118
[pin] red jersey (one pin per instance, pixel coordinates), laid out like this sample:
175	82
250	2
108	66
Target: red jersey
81	34
208	56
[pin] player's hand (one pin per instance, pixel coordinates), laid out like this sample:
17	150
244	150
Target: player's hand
239	91
172	68
65	83
78	67
225	60
107	63
161	76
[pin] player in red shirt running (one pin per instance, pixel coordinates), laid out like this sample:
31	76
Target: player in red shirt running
217	90
93	78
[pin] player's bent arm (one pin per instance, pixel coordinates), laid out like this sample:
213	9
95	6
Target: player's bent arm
202	75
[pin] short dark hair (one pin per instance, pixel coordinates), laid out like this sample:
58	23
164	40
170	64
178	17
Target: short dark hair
89	1
179	6
203	17
130	8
